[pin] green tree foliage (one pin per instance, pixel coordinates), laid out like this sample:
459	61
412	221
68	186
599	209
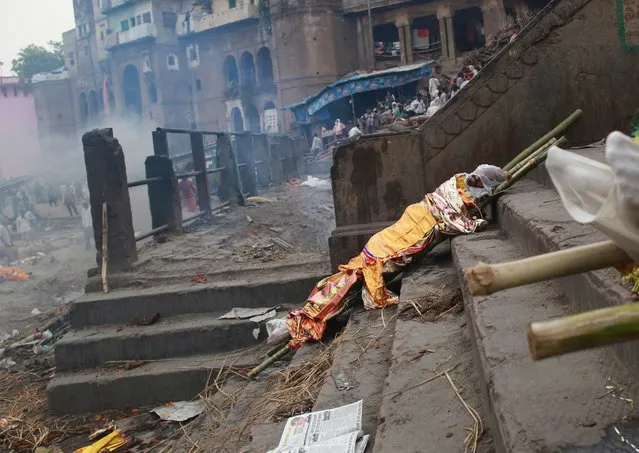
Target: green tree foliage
34	59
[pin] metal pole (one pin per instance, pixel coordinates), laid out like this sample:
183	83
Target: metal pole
370	31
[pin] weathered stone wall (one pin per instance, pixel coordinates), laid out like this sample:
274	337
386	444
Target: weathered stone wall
571	56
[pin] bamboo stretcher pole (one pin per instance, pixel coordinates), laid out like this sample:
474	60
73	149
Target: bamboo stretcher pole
559	129
543	150
583	331
484	279
283	352
105	248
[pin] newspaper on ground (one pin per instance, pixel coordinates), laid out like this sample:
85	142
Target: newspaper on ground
341	444
329	431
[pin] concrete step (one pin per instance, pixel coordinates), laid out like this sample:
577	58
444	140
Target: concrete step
154	382
534	216
549	405
429	417
176	336
125	306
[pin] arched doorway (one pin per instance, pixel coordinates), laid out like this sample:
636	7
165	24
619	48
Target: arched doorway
94	105
231	77
253	119
237	120
131	89
84	107
247	70
265	68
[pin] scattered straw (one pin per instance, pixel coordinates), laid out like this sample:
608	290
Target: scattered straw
476	431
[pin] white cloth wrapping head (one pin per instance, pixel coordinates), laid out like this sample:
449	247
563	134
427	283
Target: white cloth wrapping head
491	176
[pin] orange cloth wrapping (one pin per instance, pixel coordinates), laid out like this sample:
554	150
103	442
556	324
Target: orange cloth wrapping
441	212
13	273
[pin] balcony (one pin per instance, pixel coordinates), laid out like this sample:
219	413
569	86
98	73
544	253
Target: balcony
358	6
140	32
110	5
197	21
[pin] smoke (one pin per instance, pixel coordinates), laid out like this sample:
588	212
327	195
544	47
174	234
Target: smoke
63	159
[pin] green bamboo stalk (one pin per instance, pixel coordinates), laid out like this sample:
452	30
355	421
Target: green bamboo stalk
544	148
269	361
584	331
559	129
276	348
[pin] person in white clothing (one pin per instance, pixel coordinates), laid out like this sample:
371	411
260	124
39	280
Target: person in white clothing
87	223
354	132
433	87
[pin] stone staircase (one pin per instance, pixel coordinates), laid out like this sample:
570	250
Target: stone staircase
175	354
395	358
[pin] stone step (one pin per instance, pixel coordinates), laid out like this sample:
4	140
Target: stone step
535	218
154	382
548	405
125	306
430	417
176	336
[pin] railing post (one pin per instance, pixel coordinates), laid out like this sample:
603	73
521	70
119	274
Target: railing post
202	180
160	143
286	152
244	148
262	162
164	198
107	181
275	158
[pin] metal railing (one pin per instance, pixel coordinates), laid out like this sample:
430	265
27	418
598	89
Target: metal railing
242	162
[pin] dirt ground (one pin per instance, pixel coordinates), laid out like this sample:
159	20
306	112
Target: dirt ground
287	230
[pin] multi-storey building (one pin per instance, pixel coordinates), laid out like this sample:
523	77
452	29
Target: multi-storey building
233	64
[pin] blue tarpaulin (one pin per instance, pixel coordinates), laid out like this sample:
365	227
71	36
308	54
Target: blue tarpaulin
389	78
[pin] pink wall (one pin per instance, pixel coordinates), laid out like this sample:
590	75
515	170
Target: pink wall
19	146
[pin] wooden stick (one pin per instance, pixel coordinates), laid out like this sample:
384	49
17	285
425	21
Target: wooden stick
583	331
559	129
105	248
484	279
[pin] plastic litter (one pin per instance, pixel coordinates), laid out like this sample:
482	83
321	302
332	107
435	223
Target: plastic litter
253	314
180	411
277	331
591	191
112	442
36	312
317	183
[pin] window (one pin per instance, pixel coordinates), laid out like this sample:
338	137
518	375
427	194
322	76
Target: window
232	3
138	20
192	53
198	85
124	25
169	20
71	59
146	18
132	21
101	36
172	62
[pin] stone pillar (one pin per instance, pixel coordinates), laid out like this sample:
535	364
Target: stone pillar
164	198
107	181
202	180
494	17
447	34
405	41
160	143
409	44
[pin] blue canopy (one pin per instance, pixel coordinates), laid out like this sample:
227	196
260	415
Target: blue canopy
377	80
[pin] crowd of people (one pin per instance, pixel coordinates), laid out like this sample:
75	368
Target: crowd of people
19	216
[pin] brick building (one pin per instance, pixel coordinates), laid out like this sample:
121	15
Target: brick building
232	64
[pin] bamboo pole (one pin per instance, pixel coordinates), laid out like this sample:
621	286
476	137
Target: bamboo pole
583	331
105	248
530	165
543	150
559	129
484	279
270	361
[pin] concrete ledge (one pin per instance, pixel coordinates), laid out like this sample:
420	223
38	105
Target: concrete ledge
536	219
151	383
535	406
172	337
123	307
